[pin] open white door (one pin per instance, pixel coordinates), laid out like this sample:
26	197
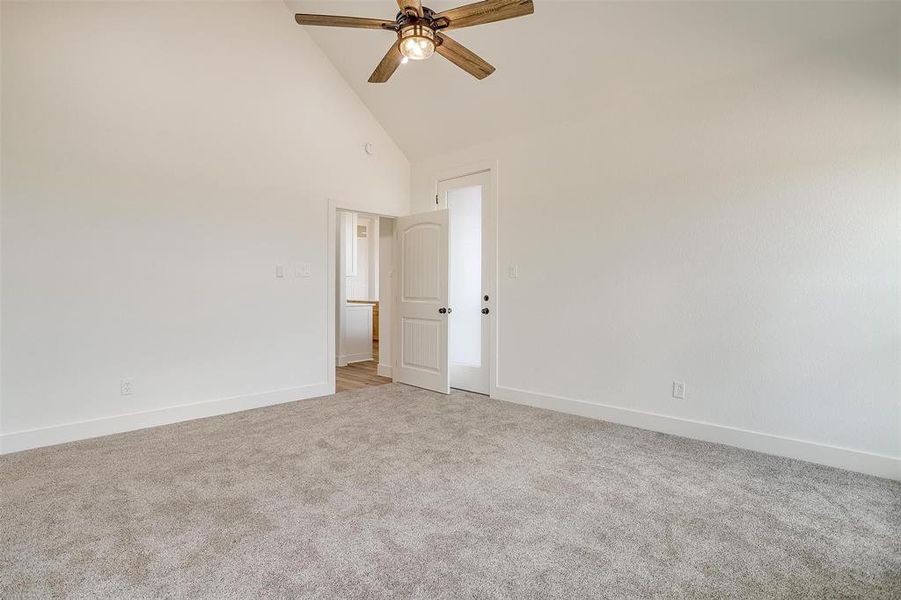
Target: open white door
421	250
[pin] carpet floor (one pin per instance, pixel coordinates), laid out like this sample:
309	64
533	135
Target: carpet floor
397	492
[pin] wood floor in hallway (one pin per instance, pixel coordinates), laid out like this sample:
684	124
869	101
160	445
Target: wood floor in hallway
360	374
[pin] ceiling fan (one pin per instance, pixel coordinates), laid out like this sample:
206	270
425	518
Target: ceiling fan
419	32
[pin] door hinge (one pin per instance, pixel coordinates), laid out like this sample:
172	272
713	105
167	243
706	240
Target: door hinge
436	199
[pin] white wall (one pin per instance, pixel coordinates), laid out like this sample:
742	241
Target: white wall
364	285
159	160
743	238
1	233
358	282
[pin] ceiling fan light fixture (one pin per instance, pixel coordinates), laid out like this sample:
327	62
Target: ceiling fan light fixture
417	42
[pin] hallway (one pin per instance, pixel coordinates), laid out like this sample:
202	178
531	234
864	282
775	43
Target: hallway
360	374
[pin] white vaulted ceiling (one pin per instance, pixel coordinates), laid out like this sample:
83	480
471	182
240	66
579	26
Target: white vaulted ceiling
570	58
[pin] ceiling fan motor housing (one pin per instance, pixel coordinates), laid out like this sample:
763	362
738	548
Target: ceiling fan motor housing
428	19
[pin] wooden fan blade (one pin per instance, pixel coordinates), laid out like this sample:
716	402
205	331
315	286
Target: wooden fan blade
335	21
410	6
487	11
388	66
463	57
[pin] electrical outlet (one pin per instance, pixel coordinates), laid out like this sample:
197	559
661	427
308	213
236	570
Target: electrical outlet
679	390
126	386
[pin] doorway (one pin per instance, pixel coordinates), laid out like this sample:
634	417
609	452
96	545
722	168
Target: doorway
362	299
446	263
469	271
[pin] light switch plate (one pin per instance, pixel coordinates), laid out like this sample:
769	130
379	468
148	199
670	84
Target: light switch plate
513	271
303	270
279	271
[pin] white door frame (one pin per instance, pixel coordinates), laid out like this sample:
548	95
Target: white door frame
490	229
331	330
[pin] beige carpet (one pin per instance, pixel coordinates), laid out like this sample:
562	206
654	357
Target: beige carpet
397	492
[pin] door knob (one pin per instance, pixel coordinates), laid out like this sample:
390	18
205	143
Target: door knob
449	310
484	311
442	310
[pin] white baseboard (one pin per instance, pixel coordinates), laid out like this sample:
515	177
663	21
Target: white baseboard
844	458
17	441
384	370
351	358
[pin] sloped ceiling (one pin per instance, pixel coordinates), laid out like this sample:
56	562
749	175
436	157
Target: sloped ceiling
570	58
